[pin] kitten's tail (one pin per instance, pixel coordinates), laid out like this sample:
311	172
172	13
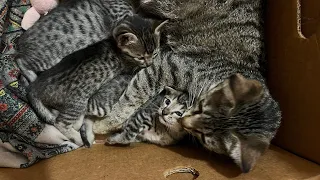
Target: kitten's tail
44	113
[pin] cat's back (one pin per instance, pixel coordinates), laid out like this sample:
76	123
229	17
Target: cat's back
73	25
69	64
210	26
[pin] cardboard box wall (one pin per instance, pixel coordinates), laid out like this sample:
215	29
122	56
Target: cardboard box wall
293	73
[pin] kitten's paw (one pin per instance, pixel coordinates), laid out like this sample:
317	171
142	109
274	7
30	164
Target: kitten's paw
74	136
117	139
71	146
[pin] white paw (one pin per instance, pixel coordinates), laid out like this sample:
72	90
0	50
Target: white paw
74	136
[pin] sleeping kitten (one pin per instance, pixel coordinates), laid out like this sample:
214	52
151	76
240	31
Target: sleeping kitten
68	86
213	50
154	124
73	25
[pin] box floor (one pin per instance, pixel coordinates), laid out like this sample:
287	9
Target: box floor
148	162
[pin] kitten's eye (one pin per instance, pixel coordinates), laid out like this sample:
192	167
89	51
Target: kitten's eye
178	113
167	101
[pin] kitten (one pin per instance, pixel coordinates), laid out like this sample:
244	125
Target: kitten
71	26
214	51
68	86
153	123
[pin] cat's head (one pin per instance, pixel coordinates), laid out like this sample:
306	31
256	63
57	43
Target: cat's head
238	118
172	108
139	39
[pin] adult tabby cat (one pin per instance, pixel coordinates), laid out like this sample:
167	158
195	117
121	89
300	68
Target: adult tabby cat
68	86
156	122
73	25
213	50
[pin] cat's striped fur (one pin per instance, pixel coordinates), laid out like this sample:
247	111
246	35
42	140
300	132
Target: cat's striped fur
207	43
73	25
156	122
68	86
108	94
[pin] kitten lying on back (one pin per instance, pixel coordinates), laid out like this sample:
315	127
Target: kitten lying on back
153	123
68	86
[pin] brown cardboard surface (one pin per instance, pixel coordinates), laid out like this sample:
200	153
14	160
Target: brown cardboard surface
294	72
148	162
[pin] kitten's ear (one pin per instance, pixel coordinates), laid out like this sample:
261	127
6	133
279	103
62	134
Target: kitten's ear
126	39
245	90
245	151
235	91
158	25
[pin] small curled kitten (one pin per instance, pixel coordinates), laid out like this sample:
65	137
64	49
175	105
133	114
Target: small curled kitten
68	86
157	122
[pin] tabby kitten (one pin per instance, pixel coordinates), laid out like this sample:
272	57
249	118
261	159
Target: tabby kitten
68	86
213	50
71	26
153	123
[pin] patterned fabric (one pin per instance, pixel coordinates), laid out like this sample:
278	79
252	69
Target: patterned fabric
19	125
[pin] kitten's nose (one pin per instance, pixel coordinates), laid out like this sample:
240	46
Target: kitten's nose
165	111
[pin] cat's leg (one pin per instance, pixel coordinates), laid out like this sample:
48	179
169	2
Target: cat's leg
87	132
141	88
28	74
109	93
43	112
127	136
69	124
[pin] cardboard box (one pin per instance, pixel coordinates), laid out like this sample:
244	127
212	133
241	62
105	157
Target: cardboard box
294	62
294	59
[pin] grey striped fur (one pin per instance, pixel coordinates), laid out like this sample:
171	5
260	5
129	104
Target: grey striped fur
68	86
207	43
156	121
108	94
73	25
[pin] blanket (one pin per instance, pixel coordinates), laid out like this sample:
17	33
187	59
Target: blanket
24	138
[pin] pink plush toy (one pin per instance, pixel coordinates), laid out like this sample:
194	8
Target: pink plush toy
39	7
